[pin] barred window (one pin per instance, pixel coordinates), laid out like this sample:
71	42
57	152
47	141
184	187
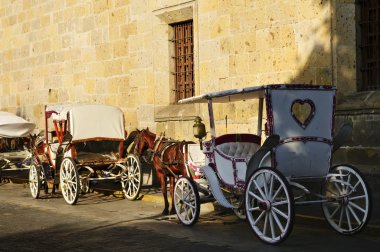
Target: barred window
369	47
184	61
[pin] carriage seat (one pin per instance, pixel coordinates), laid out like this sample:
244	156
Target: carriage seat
100	151
238	145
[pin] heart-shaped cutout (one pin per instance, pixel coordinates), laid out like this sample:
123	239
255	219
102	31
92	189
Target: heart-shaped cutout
303	111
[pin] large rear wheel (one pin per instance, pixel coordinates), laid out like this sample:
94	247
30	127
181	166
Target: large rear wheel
35	181
69	180
349	204
269	205
131	180
186	201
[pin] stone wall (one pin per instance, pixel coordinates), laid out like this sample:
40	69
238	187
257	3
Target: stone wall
118	52
78	52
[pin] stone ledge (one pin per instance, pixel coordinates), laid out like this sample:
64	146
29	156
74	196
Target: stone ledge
367	159
358	103
178	112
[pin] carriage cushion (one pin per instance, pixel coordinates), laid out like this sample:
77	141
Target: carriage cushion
238	149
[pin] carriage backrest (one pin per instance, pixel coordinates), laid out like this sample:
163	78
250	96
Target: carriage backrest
303	117
238	145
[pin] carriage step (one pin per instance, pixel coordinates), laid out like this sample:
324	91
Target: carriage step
215	188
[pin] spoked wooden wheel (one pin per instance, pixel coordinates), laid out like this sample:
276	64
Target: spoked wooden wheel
349	207
35	181
69	180
131	181
269	205
186	201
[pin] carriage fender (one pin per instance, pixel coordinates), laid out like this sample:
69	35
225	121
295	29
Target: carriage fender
253	164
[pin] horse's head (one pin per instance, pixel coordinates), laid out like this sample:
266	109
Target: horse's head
143	141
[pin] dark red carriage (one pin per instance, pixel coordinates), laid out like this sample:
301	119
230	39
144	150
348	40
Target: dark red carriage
84	144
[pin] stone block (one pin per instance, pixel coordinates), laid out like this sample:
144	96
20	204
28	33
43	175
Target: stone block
220	27
103	51
88	24
136	43
114	32
113	67
53	96
101	19
101	5
137	78
120	48
128	29
324	76
208	6
89	86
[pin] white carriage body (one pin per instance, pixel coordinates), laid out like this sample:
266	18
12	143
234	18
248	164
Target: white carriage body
304	150
299	149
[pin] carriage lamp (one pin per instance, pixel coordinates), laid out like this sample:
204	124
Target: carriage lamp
199	129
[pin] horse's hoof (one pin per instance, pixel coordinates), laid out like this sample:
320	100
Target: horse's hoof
165	212
172	212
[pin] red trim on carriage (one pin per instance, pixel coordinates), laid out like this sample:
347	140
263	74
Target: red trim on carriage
249	138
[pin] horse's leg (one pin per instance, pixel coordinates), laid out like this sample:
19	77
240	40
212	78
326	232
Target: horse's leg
163	183
171	181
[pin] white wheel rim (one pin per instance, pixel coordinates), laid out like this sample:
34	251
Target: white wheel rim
185	202
33	181
131	183
69	181
350	212
268	207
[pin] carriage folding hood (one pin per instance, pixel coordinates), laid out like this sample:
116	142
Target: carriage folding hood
230	96
91	121
14	126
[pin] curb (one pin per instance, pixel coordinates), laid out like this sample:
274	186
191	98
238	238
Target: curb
159	199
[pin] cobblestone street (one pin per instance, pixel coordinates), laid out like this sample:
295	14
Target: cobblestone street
109	223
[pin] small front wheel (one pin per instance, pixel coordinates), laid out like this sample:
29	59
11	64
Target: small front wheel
69	180
131	181
349	205
269	205
35	181
186	201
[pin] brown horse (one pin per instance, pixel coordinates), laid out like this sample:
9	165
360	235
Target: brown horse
167	158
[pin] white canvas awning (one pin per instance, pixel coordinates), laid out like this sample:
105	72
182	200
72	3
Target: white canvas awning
14	126
96	121
228	95
247	93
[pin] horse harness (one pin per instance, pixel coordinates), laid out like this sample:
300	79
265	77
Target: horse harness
160	152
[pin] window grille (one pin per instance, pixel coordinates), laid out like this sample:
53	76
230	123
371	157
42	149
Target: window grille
369	26
184	60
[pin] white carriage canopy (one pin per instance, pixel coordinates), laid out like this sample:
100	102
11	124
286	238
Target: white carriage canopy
14	126
91	121
228	95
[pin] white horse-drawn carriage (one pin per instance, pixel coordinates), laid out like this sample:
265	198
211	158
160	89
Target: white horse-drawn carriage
84	144
16	146
267	179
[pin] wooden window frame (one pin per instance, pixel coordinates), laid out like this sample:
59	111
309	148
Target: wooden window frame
369	45
183	60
